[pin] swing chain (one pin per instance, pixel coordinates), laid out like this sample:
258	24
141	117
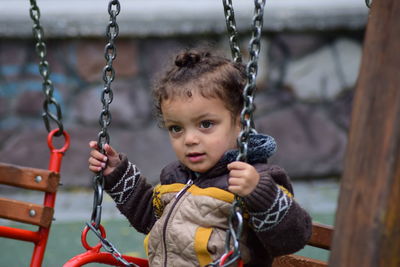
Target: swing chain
235	231
368	3
50	102
232	30
236	217
106	98
246	116
110	53
109	247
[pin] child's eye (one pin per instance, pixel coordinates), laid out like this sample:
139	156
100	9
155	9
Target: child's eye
206	124
174	129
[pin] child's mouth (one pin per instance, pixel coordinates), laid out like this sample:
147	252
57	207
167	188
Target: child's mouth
195	157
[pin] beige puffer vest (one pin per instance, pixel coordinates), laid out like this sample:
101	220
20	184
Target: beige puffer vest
191	227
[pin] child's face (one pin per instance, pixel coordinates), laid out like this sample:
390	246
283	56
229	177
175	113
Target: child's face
201	130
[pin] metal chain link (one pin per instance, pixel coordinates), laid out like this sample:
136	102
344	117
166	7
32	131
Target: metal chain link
232	31
368	3
110	53
109	247
106	99
50	102
246	117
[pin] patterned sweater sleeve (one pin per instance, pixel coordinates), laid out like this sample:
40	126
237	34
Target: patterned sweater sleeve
132	195
281	225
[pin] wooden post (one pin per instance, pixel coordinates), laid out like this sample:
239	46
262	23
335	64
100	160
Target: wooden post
367	228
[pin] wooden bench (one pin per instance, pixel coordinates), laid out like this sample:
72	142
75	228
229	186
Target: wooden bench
321	237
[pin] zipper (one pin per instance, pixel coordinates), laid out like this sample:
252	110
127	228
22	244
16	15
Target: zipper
177	197
183	190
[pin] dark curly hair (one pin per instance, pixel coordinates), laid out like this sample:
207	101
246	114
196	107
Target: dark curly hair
204	73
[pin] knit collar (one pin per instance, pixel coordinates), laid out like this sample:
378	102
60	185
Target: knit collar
260	148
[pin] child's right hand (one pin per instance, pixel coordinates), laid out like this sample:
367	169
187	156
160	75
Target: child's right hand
99	161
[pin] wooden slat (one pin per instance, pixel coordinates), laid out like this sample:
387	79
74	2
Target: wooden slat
27	178
297	261
20	211
321	236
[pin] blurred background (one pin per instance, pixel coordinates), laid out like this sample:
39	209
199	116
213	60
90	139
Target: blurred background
308	67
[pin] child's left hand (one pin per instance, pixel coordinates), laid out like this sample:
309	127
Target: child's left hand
243	178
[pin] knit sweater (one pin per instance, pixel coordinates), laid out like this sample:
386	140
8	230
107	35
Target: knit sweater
276	224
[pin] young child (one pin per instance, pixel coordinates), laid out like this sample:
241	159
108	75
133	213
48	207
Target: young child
185	217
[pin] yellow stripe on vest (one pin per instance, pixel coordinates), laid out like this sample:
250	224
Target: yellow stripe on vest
146	244
169	188
201	238
212	192
196	191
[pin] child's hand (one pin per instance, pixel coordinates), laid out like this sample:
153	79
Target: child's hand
99	161
243	178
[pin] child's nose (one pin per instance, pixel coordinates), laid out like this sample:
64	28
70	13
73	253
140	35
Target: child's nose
191	138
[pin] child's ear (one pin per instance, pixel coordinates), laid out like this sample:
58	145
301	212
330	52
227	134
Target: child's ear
238	125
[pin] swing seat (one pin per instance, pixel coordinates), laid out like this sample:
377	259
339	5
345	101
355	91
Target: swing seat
321	237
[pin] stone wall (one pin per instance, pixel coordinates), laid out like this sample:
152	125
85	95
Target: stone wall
303	100
305	87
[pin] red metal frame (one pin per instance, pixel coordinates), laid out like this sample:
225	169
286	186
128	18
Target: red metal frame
40	237
93	254
226	257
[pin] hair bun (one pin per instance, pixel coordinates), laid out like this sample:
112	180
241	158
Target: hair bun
187	59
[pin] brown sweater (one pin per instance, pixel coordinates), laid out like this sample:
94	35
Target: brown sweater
277	225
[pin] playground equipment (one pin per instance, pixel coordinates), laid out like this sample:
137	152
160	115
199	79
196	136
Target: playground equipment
368	218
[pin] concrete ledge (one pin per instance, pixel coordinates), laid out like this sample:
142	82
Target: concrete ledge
146	18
